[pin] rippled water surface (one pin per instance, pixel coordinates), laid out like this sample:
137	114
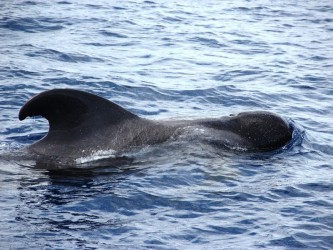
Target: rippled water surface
169	60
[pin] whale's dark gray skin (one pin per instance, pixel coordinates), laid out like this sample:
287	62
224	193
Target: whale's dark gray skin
82	123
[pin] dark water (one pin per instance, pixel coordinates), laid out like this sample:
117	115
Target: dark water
172	59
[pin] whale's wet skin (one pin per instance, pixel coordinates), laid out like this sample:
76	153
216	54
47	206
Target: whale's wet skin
83	124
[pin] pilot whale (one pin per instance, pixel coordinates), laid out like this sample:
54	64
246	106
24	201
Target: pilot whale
81	123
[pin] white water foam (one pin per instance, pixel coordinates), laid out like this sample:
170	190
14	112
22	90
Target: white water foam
96	155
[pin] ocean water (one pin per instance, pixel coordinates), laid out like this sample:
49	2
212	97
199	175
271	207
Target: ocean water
171	60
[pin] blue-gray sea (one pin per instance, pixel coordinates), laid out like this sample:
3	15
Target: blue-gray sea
172	60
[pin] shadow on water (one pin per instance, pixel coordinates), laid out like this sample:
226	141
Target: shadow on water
63	203
111	168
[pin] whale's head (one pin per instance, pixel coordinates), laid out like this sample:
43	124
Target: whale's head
259	130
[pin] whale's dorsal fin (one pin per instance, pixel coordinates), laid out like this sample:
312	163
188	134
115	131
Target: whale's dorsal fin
67	109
